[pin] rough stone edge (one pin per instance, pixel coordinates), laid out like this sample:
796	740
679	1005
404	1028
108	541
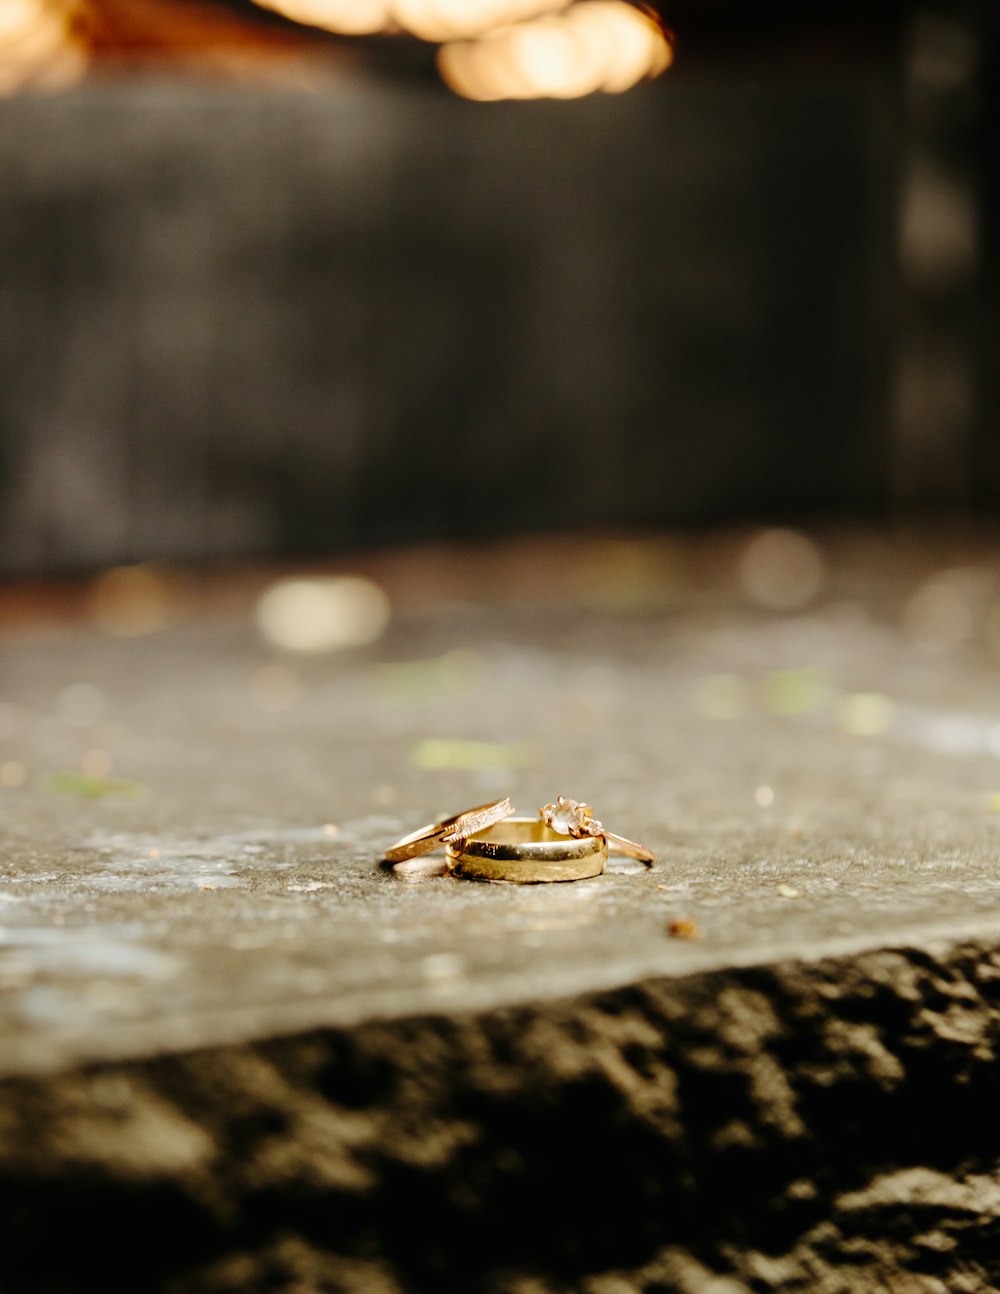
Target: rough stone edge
823	1126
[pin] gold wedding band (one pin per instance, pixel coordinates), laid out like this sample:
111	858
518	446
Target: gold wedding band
449	831
526	851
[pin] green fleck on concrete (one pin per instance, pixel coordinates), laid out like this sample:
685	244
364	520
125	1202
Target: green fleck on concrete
791	692
91	788
472	756
422	682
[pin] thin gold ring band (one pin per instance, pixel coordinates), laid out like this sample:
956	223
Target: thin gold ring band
526	851
449	831
619	845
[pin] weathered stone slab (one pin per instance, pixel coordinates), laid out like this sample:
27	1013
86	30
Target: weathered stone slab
223	1019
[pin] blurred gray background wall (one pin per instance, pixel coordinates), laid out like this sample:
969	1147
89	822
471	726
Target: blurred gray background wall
244	321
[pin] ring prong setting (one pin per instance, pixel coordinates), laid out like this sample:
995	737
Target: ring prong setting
571	818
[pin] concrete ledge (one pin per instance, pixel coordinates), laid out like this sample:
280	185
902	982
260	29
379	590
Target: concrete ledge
822	1127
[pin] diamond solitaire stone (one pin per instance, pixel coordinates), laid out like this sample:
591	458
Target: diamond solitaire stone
570	818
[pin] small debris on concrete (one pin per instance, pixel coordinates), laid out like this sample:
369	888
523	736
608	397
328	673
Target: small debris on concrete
683	928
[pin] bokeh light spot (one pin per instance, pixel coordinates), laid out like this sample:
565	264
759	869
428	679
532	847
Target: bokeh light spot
39	47
323	614
865	714
942	613
13	773
131	601
606	45
782	570
796	691
345	17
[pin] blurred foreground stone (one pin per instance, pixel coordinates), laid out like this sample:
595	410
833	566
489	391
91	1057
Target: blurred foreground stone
236	1054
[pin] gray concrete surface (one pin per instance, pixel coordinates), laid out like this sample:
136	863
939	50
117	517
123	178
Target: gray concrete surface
210	989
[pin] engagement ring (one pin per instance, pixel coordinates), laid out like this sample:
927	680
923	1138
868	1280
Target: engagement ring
571	818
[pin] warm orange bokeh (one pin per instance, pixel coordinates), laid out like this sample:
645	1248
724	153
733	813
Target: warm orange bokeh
604	45
490	49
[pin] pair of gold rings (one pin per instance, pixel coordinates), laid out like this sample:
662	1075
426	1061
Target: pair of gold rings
564	843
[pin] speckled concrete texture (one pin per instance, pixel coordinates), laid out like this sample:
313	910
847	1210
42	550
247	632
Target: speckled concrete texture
223	1019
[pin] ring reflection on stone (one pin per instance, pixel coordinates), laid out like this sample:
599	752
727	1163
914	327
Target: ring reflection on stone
571	818
527	851
448	831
